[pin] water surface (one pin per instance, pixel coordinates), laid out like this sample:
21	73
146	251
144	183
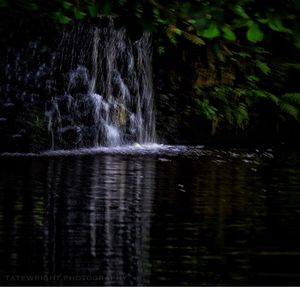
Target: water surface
150	216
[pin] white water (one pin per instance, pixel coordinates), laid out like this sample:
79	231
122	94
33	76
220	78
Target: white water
135	149
108	99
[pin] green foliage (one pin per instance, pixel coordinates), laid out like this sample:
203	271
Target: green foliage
61	18
288	109
277	25
254	33
193	38
228	33
263	67
235	106
223	104
161	50
219	53
211	32
292	97
242	115
171	34
79	14
228	20
93	9
206	109
292	66
234	20
239	11
107	7
67	5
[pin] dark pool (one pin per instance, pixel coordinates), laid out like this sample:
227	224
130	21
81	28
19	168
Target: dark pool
190	216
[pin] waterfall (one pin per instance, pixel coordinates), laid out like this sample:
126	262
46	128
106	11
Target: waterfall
107	96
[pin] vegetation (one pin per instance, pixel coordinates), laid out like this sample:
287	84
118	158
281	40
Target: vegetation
241	53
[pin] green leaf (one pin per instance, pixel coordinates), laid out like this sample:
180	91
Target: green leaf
239	10
252	78
205	109
93	10
263	67
261	50
254	33
277	25
171	36
243	55
263	94
240	23
177	31
228	33
79	14
161	50
122	2
158	18
61	18
200	23
273	98
211	32
192	21
67	5
263	20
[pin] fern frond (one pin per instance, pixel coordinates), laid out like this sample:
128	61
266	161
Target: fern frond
170	31
289	109
242	116
259	94
228	115
221	94
193	38
219	53
267	95
292	97
292	66
273	98
175	30
263	67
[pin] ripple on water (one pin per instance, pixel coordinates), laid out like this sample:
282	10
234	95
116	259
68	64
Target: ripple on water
164	152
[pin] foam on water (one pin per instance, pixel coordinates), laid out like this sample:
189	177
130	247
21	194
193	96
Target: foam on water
134	149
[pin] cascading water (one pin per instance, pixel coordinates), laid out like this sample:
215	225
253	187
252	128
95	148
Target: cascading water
108	97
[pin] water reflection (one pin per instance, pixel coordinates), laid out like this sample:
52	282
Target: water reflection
99	211
149	220
95	220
